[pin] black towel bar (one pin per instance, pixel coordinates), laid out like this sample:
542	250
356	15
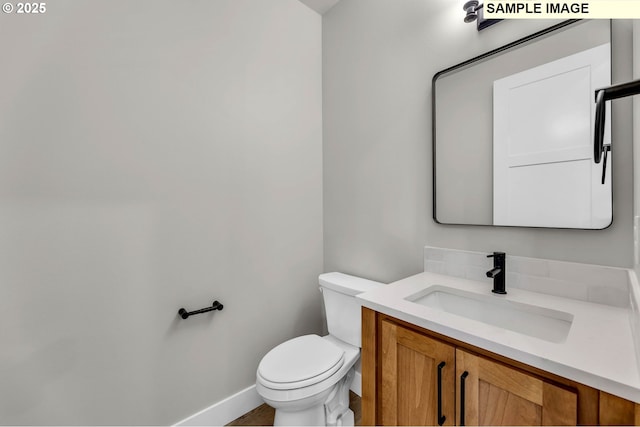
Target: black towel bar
185	314
602	95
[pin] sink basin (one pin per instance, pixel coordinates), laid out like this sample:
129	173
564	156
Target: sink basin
547	324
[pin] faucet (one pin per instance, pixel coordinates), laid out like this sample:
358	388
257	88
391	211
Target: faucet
498	272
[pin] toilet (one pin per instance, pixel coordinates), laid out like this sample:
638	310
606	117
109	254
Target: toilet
307	379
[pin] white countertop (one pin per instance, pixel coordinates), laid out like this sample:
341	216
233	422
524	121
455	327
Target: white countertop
599	350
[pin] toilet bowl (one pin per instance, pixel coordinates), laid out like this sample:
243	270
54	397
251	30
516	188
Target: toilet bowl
307	379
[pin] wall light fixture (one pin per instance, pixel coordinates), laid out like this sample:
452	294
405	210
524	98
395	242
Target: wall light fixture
473	9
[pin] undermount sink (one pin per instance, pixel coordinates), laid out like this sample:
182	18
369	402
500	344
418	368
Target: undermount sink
547	324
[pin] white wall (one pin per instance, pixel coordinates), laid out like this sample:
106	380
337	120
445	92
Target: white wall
154	154
379	57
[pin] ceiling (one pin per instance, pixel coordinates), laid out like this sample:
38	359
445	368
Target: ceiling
320	6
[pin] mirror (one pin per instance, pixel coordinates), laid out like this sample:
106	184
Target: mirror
513	133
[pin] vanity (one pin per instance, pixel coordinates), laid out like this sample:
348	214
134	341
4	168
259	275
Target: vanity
562	345
560	348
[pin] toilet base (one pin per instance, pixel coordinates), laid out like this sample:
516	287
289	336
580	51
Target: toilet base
313	416
330	408
348	418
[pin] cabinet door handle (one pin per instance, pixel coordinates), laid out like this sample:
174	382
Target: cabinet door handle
463	377
441	418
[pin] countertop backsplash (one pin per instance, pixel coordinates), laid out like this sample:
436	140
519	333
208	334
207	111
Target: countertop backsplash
634	299
593	283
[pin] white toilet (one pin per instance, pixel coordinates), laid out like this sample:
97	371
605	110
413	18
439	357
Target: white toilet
307	379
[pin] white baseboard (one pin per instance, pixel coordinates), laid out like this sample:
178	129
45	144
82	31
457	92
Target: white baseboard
226	410
235	406
356	384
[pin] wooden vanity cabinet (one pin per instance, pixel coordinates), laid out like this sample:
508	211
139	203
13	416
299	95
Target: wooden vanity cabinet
491	393
412	376
417	378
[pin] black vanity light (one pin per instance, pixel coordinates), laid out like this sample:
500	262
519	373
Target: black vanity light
474	12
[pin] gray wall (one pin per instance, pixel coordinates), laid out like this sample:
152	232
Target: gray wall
155	154
378	60
636	149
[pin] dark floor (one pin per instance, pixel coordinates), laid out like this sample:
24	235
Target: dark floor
263	414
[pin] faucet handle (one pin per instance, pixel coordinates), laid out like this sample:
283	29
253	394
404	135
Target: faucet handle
497	255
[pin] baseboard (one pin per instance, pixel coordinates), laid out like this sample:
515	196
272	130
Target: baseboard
232	407
226	410
356	384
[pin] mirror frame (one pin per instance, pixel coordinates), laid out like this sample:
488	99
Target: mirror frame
480	58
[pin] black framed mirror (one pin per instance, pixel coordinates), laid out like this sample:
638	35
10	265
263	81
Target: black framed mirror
513	132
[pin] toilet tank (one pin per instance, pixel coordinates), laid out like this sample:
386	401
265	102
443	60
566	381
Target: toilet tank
343	309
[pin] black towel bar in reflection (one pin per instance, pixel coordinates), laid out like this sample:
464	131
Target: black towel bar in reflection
185	314
602	95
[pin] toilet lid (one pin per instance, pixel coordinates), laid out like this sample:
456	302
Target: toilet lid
301	359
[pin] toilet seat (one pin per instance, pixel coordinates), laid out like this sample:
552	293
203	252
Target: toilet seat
300	362
278	397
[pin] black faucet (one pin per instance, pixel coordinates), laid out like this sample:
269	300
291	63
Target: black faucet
498	273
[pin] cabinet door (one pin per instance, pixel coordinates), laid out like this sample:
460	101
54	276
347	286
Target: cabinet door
494	394
417	378
616	411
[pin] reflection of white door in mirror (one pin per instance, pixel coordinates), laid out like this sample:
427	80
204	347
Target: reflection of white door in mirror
543	171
